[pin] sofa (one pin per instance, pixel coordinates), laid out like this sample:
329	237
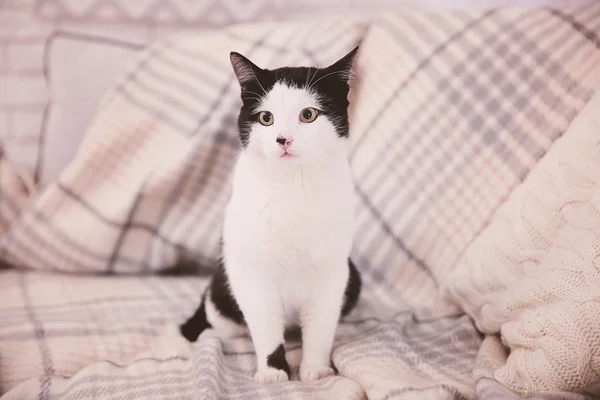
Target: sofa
475	152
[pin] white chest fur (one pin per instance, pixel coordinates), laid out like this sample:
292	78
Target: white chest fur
291	226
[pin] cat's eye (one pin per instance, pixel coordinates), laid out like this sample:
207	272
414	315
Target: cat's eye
265	118
308	115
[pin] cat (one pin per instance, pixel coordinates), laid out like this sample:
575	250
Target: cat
288	226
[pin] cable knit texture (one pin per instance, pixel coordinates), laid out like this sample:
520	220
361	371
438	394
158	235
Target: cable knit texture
533	273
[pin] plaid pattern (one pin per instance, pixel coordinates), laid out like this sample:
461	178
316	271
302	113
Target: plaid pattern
26	94
162	143
455	109
29	29
121	339
450	112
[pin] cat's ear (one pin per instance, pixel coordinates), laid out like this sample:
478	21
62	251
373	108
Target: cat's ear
342	69
245	70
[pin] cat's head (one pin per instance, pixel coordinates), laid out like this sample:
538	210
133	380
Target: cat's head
296	114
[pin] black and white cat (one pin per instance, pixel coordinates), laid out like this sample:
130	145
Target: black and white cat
288	226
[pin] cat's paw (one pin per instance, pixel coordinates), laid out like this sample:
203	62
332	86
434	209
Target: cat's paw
315	372
271	375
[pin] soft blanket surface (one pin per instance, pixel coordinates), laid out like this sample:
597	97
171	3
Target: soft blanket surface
450	113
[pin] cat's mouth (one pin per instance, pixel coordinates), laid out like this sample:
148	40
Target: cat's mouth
286	154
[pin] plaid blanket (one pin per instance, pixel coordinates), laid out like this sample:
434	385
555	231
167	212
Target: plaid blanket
450	111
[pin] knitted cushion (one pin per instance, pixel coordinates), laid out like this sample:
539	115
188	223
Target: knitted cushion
534	273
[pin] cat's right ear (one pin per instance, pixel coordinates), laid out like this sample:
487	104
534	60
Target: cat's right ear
245	70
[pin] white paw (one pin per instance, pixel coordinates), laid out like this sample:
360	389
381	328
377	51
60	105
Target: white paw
270	375
315	372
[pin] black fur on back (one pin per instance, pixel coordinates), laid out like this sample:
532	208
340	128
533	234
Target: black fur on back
330	85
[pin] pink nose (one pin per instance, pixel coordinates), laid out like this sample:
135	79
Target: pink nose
284	142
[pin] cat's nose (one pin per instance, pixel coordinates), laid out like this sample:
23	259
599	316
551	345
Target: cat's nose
284	142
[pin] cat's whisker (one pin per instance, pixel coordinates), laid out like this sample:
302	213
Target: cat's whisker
251	98
259	84
312	78
325	76
235	158
251	92
302	177
308	78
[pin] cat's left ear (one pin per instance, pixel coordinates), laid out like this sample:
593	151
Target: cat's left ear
343	67
245	70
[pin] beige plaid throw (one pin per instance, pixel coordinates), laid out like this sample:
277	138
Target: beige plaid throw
450	112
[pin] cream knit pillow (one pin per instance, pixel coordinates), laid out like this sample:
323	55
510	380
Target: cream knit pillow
534	273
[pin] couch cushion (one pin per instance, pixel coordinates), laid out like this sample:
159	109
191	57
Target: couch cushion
150	179
80	70
533	273
451	111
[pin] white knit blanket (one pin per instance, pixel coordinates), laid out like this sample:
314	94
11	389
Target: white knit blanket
450	112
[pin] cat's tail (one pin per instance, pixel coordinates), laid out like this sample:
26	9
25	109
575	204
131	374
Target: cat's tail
197	323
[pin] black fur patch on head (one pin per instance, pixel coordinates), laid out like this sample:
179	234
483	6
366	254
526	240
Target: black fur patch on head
330	84
277	360
353	288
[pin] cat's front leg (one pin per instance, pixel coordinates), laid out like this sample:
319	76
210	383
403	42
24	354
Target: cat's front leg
266	328
259	301
319	321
